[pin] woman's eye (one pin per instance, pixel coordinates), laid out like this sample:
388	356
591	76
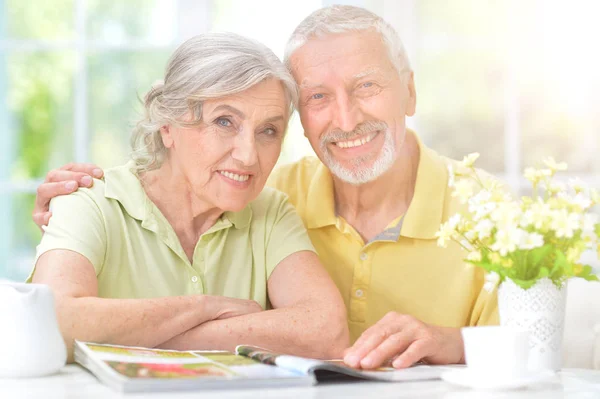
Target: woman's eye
223	122
367	84
317	96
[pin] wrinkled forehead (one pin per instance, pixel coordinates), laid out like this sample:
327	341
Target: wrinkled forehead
347	56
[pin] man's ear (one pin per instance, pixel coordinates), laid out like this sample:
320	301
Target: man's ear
411	104
166	134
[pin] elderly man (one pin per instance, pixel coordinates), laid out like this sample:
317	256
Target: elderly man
373	199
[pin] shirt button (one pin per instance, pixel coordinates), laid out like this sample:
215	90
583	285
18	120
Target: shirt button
194	279
358	293
363	256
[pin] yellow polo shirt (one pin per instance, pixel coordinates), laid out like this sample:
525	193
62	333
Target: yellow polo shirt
136	253
402	269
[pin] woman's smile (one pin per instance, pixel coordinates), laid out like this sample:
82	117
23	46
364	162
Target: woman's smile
237	179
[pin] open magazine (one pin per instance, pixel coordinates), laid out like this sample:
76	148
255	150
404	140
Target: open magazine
135	369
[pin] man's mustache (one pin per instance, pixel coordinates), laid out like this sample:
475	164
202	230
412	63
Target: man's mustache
360	130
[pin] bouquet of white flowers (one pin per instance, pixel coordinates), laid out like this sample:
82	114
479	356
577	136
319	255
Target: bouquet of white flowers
543	235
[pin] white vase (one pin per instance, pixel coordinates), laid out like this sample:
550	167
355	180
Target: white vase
540	310
30	341
596	350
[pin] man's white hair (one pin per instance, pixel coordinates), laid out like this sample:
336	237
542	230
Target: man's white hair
207	66
344	19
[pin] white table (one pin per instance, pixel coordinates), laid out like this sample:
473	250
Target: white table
74	382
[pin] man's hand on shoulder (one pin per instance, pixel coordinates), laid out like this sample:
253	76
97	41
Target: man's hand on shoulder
62	181
403	340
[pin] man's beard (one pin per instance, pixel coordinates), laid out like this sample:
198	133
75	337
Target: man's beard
363	169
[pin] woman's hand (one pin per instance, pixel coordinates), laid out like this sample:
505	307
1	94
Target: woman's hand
222	307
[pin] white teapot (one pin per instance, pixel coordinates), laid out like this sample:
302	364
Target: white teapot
30	342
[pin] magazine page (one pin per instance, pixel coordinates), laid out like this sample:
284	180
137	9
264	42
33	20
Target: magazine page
299	365
323	369
414	373
148	364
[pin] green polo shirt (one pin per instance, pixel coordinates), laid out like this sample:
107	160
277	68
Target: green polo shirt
136	253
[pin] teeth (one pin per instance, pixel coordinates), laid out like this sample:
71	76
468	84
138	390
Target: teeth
355	143
234	176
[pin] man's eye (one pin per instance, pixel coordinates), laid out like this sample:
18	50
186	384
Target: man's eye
367	84
270	131
223	122
317	96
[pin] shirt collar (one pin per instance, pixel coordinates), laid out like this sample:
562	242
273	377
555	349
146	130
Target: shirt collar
424	215
240	219
320	205
123	185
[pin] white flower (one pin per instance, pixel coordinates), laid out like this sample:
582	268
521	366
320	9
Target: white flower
564	223
470	235
553	165
474	256
506	215
588	228
582	201
507	240
491	279
470	159
481	197
540	213
531	241
527	218
451	175
484	228
463	189
595	196
447	231
466	245
537	175
481	204
454	221
578	185
491	184
554	187
531	174
481	211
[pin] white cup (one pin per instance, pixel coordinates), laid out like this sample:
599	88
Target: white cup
496	350
30	341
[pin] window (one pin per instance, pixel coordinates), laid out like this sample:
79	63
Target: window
513	80
71	71
516	81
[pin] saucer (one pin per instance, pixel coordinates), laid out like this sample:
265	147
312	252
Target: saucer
470	379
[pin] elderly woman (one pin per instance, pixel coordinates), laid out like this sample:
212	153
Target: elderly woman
183	247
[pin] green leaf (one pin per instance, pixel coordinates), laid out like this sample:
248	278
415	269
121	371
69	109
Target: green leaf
525	284
537	255
588	274
560	264
484	265
544	272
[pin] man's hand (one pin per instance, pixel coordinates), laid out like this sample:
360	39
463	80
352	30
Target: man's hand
404	341
62	181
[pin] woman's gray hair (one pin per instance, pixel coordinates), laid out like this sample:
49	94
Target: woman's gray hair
343	19
207	66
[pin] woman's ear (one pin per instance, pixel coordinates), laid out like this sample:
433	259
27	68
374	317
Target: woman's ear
166	134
